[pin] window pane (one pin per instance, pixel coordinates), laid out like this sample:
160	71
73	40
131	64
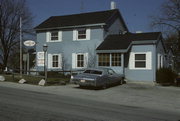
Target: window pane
116	59
140	64
82	32
140	56
104	59
81	36
54	33
55	61
80	60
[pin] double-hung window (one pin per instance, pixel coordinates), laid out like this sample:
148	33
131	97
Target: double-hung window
54	61
54	36
140	60
81	34
79	60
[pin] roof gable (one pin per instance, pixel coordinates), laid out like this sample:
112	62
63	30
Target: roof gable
79	19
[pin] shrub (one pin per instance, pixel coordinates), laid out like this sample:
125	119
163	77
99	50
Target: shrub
165	76
54	74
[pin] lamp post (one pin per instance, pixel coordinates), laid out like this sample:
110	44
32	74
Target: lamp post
45	47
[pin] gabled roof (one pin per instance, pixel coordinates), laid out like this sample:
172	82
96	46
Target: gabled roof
120	42
80	19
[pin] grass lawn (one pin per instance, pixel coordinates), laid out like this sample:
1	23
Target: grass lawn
35	79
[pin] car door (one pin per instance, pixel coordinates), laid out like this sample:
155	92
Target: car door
112	78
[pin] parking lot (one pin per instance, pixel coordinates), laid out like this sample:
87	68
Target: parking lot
130	94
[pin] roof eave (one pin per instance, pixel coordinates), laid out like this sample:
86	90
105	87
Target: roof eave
76	26
112	51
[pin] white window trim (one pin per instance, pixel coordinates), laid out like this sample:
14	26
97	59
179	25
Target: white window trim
75	34
74	60
48	36
50	61
148	61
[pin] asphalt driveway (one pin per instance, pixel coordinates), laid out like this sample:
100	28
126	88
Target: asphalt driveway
130	94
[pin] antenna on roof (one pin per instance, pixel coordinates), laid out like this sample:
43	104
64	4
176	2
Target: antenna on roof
82	6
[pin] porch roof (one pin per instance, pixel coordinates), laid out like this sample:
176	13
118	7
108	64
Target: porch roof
124	41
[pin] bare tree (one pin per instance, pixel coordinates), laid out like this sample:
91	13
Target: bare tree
169	18
10	13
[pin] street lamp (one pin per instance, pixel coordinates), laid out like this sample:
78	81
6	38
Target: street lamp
45	47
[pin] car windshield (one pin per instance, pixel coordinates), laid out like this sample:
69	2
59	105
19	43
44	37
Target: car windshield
93	72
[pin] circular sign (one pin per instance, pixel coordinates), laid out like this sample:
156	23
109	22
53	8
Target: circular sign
29	43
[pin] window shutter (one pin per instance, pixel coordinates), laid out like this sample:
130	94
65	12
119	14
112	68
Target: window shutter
74	35
88	34
148	60
86	60
49	61
47	36
60	35
74	60
132	61
60	61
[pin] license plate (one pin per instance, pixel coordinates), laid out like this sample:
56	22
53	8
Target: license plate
82	80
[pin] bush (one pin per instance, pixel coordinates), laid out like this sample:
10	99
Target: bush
54	74
165	76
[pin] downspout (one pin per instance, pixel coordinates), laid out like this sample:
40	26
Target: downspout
122	63
155	65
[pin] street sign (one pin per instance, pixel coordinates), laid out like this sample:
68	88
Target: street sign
29	43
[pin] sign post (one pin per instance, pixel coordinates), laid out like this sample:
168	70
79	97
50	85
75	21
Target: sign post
28	43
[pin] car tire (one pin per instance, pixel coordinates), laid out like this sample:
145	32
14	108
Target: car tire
121	82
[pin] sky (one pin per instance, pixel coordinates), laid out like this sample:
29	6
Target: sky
136	13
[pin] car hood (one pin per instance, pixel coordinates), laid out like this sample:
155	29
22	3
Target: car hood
86	76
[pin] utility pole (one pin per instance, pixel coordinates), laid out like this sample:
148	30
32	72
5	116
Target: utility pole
20	37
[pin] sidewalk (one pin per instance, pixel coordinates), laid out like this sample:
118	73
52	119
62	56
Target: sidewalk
131	94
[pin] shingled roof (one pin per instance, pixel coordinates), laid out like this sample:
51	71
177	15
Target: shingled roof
80	19
119	42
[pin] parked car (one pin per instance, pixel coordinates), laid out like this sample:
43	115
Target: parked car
99	77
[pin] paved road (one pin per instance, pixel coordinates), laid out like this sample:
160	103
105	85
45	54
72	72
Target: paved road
21	105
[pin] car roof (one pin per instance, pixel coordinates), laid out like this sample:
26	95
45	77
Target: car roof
99	69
